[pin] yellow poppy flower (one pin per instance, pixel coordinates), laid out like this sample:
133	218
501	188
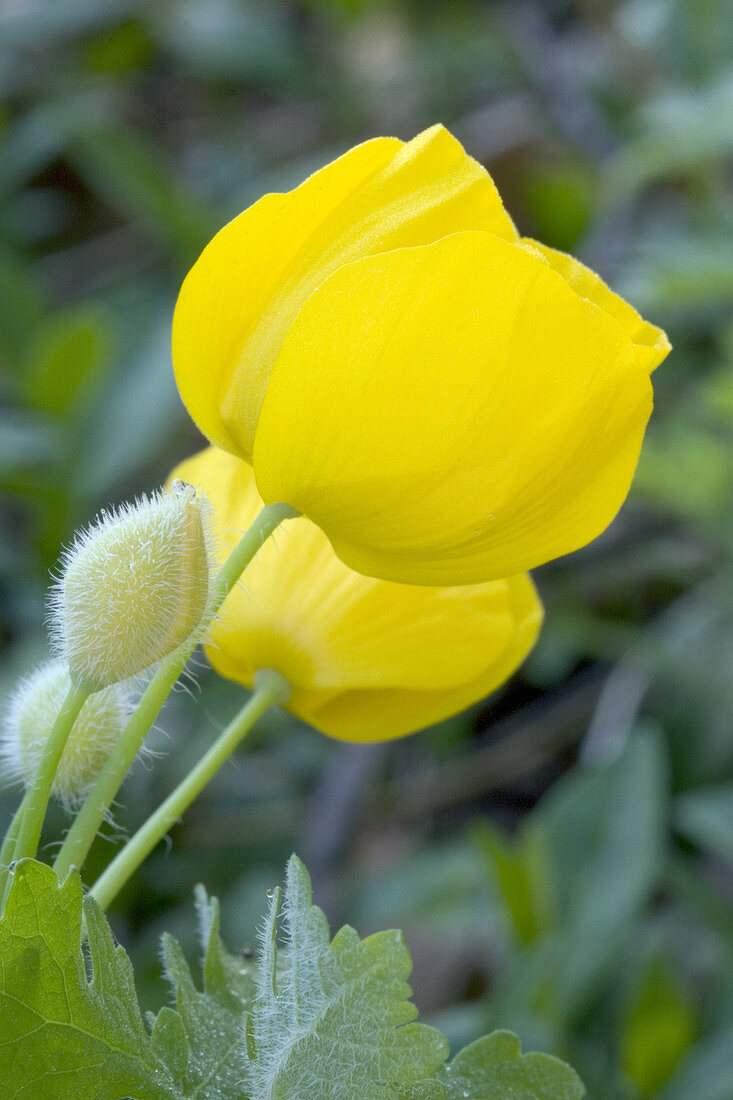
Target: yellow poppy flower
449	402
367	659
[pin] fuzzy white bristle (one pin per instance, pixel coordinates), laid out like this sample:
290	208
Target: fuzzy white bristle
31	713
134	587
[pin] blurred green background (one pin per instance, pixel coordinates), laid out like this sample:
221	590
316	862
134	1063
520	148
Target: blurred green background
561	857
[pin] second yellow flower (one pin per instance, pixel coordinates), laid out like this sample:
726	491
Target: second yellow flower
367	659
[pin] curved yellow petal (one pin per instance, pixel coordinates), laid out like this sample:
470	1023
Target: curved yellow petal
355	716
367	659
651	343
452	413
243	292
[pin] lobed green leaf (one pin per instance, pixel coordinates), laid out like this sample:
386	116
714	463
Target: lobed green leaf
494	1068
337	1022
67	1035
324	1019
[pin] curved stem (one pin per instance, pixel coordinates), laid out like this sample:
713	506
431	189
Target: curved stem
39	791
82	833
270	688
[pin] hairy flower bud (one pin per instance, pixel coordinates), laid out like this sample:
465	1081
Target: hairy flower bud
134	587
30	716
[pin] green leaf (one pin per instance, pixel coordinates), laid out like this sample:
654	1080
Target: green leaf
67	357
426	1090
560	199
21	309
706	1072
201	1042
607	830
226	977
77	1038
660	1026
68	1036
494	1068
332	1019
521	870
337	1023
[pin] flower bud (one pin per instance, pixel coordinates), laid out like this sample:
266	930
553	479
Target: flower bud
134	587
30	716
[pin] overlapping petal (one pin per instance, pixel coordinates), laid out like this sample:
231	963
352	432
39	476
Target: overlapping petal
453	429
367	659
241	296
450	403
650	342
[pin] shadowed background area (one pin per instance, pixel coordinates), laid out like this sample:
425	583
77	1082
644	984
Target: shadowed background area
561	857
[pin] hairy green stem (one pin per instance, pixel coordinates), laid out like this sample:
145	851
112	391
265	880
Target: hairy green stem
270	688
82	833
39	791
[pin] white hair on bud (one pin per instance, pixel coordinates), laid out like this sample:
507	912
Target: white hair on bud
134	587
28	720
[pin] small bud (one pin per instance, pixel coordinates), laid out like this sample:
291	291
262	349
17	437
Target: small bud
31	713
134	587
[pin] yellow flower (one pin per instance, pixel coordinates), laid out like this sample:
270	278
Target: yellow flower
449	402
367	659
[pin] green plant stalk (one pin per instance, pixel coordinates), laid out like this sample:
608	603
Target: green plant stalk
270	688
82	833
7	852
39	791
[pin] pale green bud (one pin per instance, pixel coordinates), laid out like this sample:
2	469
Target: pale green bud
30	715
134	587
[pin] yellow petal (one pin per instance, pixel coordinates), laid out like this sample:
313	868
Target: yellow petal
242	294
452	413
367	659
651	343
360	716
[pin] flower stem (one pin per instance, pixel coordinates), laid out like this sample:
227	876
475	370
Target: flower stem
270	517
39	791
7	852
82	833
270	688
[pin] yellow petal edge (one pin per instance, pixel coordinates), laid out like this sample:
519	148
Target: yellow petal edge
651	342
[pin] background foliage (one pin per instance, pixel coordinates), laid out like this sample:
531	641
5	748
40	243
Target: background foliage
561	858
